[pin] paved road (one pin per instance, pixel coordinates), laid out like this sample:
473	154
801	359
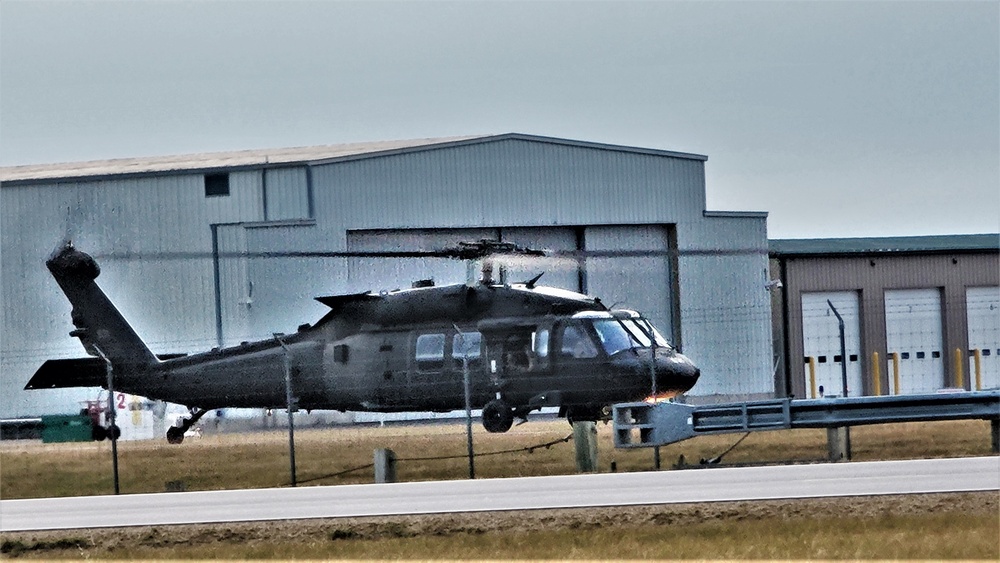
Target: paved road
708	485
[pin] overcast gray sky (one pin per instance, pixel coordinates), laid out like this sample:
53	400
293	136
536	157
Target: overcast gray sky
840	119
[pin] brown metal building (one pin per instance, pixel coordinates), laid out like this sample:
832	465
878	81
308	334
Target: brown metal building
920	314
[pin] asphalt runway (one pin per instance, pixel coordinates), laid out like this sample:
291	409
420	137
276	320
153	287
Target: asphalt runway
567	491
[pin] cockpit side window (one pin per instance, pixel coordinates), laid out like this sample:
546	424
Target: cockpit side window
614	337
430	351
576	343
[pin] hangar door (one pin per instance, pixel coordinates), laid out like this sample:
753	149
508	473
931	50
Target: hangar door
643	282
400	273
821	340
914	330
235	291
983	311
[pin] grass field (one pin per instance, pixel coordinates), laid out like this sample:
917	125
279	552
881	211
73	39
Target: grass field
324	456
957	526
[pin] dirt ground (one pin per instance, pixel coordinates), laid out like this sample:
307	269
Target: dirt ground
107	540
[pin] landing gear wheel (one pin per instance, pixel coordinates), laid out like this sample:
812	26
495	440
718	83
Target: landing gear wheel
497	416
114	432
175	435
98	433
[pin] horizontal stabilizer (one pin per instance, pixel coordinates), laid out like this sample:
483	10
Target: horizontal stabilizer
60	374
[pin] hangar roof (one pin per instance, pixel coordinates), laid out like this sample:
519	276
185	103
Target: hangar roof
91	170
781	248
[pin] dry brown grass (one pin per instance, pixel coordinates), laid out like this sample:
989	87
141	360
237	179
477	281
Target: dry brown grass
229	461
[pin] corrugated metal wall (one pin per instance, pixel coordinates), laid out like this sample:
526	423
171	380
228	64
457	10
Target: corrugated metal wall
509	183
286	194
724	304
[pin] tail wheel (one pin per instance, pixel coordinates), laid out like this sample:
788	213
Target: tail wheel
175	435
497	416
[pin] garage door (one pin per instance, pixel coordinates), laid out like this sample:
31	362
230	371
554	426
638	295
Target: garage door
821	341
983	309
913	329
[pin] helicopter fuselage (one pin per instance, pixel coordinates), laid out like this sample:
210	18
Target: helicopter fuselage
512	348
377	354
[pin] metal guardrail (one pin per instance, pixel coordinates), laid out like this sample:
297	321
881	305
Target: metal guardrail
640	425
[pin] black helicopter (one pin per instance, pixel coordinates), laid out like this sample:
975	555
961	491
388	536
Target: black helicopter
514	347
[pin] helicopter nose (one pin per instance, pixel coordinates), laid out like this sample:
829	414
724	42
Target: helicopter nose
677	373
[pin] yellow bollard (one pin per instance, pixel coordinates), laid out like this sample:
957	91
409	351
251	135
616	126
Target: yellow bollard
959	372
978	361
895	372
812	377
876	374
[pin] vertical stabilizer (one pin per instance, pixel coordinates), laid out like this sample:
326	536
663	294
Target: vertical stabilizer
98	323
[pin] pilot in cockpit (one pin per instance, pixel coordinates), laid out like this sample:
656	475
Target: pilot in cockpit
576	344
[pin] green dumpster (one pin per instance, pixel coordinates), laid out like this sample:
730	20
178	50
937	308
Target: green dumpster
66	428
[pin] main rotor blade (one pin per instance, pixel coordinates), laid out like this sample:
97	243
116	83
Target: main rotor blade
512	258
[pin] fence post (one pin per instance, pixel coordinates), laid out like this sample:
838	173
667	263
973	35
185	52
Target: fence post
385	466
995	435
836	444
585	440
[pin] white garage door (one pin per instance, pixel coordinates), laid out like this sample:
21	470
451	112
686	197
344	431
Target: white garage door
821	340
983	310
913	329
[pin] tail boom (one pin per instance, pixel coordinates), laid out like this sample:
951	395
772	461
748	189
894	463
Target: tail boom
100	327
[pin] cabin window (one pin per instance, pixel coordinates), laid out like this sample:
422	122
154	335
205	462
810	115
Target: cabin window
430	351
467	345
576	343
540	342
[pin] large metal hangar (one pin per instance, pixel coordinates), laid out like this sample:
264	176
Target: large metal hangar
193	248
920	314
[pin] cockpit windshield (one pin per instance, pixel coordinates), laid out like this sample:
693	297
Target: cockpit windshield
617	333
